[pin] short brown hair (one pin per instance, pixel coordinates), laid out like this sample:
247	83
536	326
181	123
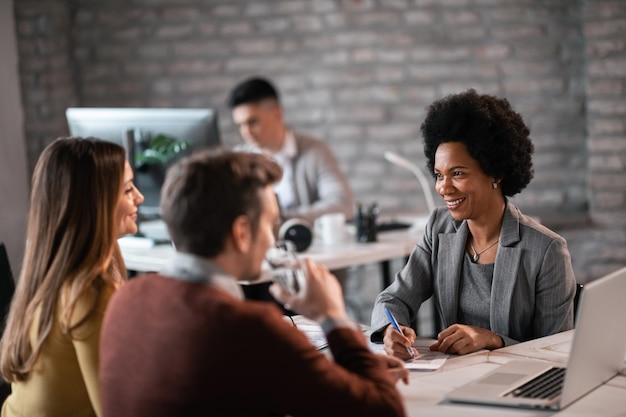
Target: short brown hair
205	192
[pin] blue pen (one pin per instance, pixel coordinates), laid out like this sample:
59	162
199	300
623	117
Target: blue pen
396	326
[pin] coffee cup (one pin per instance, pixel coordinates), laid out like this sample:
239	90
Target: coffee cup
331	228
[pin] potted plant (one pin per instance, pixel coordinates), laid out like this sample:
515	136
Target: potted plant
157	156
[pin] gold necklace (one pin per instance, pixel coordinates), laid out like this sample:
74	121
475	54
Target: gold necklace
476	256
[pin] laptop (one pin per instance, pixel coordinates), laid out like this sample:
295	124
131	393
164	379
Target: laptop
597	355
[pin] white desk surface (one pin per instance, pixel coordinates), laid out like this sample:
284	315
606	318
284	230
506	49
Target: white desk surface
553	348
423	397
390	245
424	394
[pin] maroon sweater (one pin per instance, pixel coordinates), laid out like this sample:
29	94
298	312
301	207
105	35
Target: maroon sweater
174	348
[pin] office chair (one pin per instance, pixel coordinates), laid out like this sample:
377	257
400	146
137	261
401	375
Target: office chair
7	285
7	288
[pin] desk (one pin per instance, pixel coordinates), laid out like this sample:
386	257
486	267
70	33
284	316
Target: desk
424	394
390	245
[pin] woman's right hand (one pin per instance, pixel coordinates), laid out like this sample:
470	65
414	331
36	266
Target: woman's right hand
396	344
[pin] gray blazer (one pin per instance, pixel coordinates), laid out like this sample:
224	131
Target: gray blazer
533	280
320	186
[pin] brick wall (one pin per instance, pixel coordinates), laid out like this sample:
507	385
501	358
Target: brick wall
604	246
47	77
359	74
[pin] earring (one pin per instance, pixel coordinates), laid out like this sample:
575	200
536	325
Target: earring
495	185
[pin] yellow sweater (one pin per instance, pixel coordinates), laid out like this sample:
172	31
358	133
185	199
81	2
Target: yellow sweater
64	380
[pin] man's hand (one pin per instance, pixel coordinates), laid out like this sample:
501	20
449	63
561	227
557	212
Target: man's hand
396	368
462	339
320	298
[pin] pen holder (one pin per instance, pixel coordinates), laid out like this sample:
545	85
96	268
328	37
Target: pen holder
365	223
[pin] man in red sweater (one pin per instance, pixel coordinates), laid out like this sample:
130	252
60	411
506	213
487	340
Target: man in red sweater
185	343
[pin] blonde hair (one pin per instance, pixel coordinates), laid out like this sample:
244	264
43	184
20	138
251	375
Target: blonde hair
71	243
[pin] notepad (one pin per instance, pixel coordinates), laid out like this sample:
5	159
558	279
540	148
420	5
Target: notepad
427	360
315	334
313	331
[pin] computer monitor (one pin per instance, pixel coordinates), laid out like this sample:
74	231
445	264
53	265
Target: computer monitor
133	128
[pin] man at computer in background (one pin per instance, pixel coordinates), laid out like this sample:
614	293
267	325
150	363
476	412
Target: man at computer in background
185	343
312	183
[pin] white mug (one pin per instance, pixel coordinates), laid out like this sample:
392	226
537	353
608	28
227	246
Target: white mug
331	228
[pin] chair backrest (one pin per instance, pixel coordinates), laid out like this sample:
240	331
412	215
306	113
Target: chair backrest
7	285
579	290
7	288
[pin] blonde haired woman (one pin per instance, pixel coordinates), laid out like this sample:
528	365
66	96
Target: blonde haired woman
82	199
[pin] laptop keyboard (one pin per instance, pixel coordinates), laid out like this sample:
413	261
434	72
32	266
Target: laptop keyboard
545	386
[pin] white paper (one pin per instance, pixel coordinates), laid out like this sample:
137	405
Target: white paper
427	360
315	334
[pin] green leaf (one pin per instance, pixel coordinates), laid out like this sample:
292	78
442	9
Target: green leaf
161	150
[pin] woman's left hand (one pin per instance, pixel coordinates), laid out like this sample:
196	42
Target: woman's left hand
462	339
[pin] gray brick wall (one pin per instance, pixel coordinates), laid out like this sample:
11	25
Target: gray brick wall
359	74
603	247
48	83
